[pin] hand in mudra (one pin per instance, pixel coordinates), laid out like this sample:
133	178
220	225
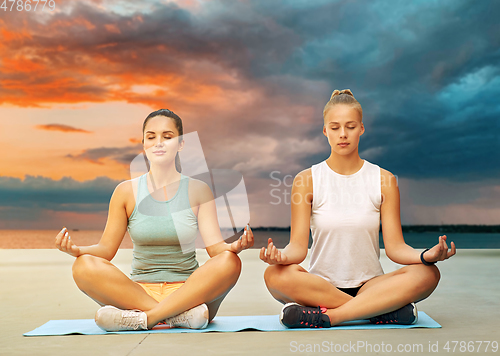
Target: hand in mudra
63	243
272	255
440	251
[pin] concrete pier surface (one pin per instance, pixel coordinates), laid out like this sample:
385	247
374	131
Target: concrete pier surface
37	286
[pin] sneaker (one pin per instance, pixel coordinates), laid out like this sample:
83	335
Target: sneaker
294	315
406	315
110	318
194	318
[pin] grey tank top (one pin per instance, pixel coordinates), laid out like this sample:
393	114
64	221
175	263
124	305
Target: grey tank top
163	233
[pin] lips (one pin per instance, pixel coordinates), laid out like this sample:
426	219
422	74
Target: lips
159	152
343	144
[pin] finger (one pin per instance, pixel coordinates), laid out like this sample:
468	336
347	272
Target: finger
453	250
269	249
64	240
273	253
442	250
250	239
279	257
262	253
62	245
67	241
69	244
250	232
59	236
444	253
244	239
266	258
440	246
269	245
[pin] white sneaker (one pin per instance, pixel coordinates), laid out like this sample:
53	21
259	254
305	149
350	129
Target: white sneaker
195	318
110	318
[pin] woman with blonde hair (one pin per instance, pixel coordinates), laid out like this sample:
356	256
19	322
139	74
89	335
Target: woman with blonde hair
162	211
342	200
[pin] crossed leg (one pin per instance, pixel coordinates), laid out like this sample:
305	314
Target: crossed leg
379	295
107	285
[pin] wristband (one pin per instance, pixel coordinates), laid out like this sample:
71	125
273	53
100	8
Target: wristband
424	261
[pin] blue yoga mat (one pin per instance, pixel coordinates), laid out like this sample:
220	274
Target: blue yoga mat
220	323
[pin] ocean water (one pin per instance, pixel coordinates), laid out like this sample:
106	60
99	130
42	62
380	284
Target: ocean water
414	239
32	239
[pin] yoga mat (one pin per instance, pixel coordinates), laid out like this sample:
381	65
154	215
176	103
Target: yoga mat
219	323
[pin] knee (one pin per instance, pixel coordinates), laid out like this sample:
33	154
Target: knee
230	263
269	274
429	277
276	275
84	268
434	275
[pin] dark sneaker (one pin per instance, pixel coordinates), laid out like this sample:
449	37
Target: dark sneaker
406	315
294	315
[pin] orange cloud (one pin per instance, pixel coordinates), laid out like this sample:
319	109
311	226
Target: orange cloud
59	127
9	36
107	45
112	28
96	66
21	64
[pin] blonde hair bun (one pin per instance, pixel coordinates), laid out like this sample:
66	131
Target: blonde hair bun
338	92
347	99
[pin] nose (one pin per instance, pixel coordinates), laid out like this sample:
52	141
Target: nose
159	142
342	132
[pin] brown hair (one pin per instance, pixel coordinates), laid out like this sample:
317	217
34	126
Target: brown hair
178	125
344	97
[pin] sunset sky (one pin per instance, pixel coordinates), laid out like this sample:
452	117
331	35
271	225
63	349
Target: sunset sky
251	78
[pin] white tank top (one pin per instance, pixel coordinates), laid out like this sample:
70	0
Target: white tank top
345	222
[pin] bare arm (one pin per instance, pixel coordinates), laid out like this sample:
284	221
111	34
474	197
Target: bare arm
209	225
301	201
113	234
395	247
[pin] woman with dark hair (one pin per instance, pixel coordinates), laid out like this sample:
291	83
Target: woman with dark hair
162	211
342	200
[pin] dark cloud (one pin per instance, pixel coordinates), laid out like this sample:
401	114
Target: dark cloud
409	64
66	194
122	155
401	61
429	192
